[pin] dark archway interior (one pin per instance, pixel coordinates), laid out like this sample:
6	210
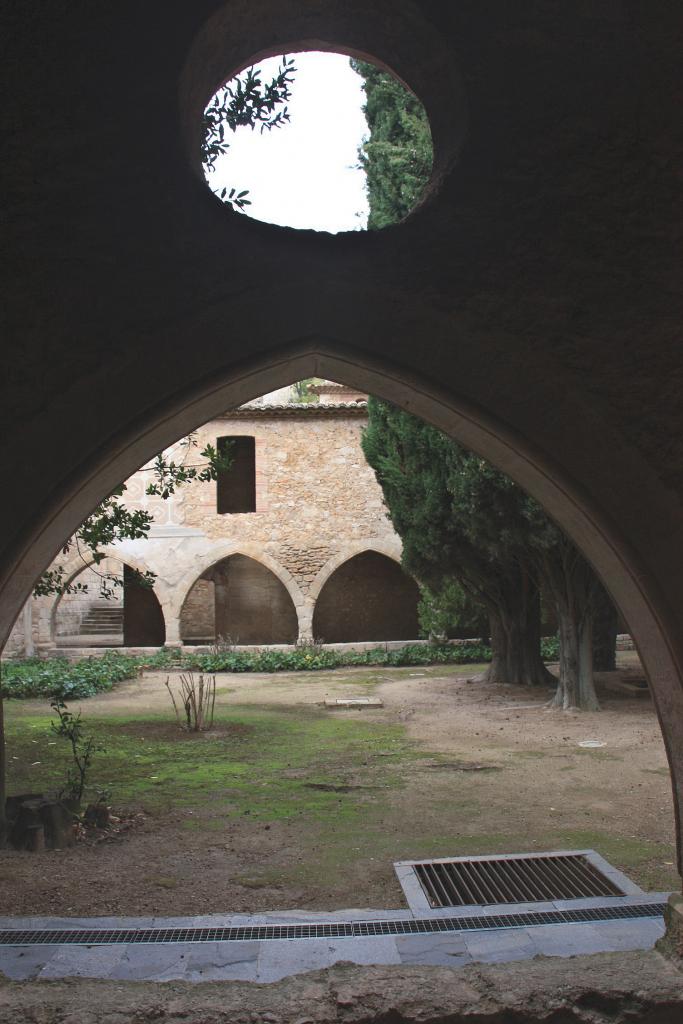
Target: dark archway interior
239	600
143	619
369	597
113	610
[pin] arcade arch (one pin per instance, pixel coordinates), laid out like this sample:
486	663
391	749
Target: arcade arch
130	615
239	592
578	513
366	596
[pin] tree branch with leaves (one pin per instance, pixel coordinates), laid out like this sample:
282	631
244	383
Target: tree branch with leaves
246	101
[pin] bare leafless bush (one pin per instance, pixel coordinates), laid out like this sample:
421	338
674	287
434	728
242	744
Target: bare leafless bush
196	701
224	643
309	644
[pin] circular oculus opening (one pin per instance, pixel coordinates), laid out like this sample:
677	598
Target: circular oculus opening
317	140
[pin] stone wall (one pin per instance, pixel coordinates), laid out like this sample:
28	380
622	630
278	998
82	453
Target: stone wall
198	619
71	609
314	489
252	606
317	505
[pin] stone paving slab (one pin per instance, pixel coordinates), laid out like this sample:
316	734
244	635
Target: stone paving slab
222	961
501	946
439	950
83	962
283	957
152	963
24	963
621	935
571	940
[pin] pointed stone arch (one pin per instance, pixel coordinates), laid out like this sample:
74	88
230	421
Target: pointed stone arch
390	548
135	633
366	596
288	629
539	462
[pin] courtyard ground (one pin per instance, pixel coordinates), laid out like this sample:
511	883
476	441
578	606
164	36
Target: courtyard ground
286	804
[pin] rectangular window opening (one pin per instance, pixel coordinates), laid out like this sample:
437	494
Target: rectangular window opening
236	486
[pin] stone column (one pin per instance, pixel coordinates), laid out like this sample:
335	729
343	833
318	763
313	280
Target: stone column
29	647
305	616
172	629
43	608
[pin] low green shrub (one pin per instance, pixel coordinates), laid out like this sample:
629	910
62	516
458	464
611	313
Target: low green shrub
299	659
316	658
550	648
50	677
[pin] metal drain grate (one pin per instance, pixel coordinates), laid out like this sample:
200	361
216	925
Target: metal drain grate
332	930
483	881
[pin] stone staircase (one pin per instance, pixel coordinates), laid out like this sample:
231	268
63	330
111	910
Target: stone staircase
100	620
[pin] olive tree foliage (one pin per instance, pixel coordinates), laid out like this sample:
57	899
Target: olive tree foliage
301	391
245	102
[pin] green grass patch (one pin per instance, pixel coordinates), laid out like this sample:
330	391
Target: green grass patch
269	764
649	863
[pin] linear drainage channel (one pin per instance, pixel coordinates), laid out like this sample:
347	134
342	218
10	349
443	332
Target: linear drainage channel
331	930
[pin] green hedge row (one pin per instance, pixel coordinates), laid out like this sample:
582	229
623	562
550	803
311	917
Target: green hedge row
36	677
313	658
74	680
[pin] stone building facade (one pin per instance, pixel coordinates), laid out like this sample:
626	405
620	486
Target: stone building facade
315	557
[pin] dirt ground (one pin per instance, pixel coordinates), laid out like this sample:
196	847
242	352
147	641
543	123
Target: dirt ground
613	988
448	766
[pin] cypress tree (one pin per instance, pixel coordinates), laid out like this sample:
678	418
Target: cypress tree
458	517
397	157
434	492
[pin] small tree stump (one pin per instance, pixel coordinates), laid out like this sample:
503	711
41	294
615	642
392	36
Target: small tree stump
59	825
97	815
36	823
36	838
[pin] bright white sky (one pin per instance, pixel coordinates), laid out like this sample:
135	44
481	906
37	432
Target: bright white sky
305	174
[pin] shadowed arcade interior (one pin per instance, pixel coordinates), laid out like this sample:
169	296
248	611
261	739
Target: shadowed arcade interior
240	601
368	597
113	609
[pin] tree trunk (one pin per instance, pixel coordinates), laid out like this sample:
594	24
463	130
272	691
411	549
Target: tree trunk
605	621
576	688
516	643
497	670
574	587
588	698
